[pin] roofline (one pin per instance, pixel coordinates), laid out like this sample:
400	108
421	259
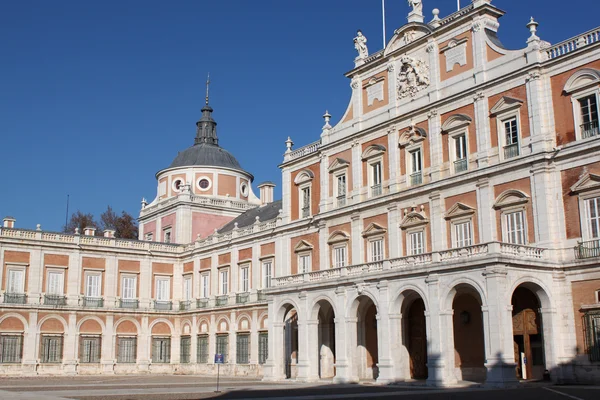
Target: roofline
248	174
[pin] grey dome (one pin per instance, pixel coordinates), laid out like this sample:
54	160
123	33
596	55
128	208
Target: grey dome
204	154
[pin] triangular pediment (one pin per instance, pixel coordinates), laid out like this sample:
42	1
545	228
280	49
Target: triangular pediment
374	229
511	197
586	183
459	210
337	237
303	245
413	219
405	35
337	164
456	121
505	104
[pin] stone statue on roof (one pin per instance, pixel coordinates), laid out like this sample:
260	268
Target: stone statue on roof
360	44
417	6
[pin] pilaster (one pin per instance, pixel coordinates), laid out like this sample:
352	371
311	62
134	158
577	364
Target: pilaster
485	212
356	172
324	166
394	158
482	128
356	238
323	255
543	190
435	144
385	364
393	231
342	369
438	225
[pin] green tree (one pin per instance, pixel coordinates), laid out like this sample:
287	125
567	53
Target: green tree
81	221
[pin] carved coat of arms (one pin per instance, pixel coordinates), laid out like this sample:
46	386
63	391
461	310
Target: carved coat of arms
412	77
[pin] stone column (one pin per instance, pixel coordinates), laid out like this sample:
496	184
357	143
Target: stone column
394	158
144	346
286	195
435	144
176	342
540	111
146	282
303	366
108	346
385	364
111	280
394	245
543	190
323	256
497	319
312	350
438	224
324	169
194	341
357	177
482	128
356	240
342	368
232	338
31	344
485	211
70	346
254	338
563	333
212	339
35	273
434	69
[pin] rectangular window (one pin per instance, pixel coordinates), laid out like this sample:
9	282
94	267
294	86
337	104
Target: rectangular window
515	228
376	250
202	350
161	350
305	192
589	116
460	153
304	264
339	256
222	345
92	285
149	236
89	349
11	348
52	348
593	208
263	347
416	165
511	138
163	289
55	283
16	281
242	352
167	235
245	279
416	243
187	288
127	350
205	285
592	320
462	234
224	278
341	186
267	274
376	179
184	349
128	286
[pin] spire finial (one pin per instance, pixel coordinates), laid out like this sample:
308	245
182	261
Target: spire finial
207	85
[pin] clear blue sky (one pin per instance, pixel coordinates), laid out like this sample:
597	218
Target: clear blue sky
97	96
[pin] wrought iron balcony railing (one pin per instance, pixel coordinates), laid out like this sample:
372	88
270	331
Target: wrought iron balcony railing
221	301
341	201
15	298
589	129
95	302
55	300
163	305
512	150
416	178
129	303
460	165
376	190
305	212
589	249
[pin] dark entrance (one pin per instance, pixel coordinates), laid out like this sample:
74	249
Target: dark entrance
527	334
417	340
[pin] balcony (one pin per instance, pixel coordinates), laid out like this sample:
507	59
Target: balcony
202	303
242	298
93	302
221	301
15	298
261	296
461	165
305	212
589	129
185	305
589	249
133	304
341	201
55	300
511	151
163	305
376	190
416	178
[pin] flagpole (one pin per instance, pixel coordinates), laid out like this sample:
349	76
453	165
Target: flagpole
383	17
458	4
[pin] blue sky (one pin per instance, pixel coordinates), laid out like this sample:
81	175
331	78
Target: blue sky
97	96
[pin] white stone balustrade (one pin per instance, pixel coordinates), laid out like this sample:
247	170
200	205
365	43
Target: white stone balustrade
570	45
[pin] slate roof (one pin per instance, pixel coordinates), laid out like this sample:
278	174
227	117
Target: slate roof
265	213
206	154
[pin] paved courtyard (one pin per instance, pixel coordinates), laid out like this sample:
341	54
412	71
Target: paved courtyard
197	387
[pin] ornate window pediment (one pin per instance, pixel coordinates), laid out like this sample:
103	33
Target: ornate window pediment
372	151
511	197
304	177
412	136
582	79
414	218
456	121
373	230
406	35
337	164
586	183
338	237
303	245
459	210
505	104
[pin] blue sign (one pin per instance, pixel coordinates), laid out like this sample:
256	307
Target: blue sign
219	359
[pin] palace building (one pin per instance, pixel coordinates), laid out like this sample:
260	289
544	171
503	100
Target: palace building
446	229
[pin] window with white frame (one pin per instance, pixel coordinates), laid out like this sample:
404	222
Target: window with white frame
223	281
514	227
588	117
305	201
416	166
340	189
510	129
304	263
592	214
89	349
52	349
205	285
93	284
187	287
267	273
149	236
462	233
163	288
15	280
416	242
126	349
376	177
56	282
303	181
340	256
128	287
597	296
376	249
583	87
245	278
459	144
167	235
11	348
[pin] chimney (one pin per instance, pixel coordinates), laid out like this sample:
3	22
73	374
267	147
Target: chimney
109	233
9	222
266	192
89	231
